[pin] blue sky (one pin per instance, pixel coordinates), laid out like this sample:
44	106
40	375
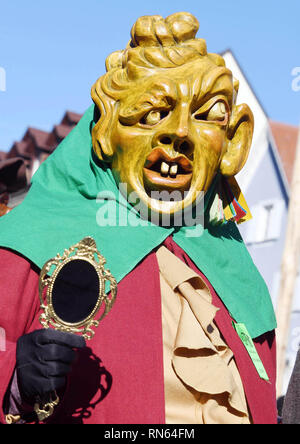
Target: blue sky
52	52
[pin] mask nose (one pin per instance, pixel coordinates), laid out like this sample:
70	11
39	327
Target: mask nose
176	145
175	137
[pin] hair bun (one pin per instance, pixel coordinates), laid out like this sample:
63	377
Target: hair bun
154	30
183	25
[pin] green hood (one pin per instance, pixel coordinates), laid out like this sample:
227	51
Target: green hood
64	205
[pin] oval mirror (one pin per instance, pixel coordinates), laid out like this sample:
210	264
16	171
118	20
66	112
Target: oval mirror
73	296
75	291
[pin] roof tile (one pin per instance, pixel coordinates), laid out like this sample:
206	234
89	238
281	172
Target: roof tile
285	137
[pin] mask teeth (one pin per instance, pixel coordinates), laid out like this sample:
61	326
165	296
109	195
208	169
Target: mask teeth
173	170
164	168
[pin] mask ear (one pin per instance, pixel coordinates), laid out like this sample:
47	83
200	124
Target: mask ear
106	111
239	139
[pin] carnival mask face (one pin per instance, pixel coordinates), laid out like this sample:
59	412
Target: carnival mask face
172	130
169	136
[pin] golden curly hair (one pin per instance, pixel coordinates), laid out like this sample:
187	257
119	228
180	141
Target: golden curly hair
156	43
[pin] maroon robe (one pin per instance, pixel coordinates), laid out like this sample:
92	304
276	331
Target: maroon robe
118	377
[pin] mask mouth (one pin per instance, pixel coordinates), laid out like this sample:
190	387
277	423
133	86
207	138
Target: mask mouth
163	172
160	161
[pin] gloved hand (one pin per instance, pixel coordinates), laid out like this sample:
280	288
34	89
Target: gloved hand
44	359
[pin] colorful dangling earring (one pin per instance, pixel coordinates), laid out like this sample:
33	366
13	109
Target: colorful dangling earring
229	203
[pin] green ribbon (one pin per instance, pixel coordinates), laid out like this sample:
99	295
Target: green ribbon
250	347
64	205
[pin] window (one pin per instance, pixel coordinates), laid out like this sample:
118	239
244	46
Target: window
266	221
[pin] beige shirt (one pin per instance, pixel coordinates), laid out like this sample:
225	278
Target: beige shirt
202	383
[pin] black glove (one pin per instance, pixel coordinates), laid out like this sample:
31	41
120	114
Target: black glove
44	359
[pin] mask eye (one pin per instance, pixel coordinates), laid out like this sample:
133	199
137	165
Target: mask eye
217	113
153	117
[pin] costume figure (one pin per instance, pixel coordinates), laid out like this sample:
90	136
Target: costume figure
190	338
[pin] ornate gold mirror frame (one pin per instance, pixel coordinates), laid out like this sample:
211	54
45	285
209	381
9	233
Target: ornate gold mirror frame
85	250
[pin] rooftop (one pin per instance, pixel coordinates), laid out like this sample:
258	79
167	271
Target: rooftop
285	137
